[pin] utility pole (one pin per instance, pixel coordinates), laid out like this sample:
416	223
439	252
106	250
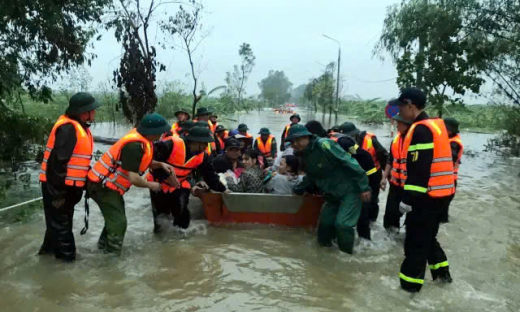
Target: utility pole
338	78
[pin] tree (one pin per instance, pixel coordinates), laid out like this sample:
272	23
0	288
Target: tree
187	26
276	88
309	93
236	80
39	39
136	75
427	42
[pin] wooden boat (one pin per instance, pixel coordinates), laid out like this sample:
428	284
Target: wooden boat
286	210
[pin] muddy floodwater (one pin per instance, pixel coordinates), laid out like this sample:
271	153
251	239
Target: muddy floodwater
265	268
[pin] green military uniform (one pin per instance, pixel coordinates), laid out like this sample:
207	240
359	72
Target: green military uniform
112	204
342	180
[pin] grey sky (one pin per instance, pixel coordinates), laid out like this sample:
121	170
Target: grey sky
284	35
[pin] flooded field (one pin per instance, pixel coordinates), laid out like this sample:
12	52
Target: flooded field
262	268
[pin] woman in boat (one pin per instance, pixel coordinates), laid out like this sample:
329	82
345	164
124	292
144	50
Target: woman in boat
283	181
252	179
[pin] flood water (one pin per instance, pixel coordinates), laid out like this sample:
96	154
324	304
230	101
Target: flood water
265	268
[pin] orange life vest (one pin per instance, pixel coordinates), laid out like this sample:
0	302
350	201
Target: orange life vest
108	169
398	173
213	126
182	167
456	165
266	148
441	182
287	131
175	128
369	147
79	163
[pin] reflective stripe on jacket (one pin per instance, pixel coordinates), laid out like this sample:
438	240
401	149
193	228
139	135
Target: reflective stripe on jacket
108	169
79	163
398	173
456	165
441	182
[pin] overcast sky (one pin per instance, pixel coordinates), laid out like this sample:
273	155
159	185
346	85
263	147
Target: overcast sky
284	35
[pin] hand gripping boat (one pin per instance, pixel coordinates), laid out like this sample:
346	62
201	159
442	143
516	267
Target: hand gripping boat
286	210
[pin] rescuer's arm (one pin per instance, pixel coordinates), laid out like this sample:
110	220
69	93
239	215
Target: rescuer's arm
64	144
210	176
455	149
381	152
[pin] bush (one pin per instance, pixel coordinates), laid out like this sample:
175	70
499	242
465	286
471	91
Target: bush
23	137
508	142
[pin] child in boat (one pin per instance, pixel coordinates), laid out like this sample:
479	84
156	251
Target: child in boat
251	180
283	181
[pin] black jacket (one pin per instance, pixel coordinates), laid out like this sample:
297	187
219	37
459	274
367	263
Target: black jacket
161	153
363	158
381	152
64	144
418	163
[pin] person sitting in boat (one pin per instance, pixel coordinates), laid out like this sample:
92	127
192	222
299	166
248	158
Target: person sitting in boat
252	179
230	160
185	155
242	133
343	182
266	144
283	181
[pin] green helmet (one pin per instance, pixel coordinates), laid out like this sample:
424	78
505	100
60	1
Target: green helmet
80	103
452	124
297	131
242	128
203	111
348	128
199	134
264	131
153	124
399	118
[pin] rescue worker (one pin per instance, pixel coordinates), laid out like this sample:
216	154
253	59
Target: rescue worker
212	147
213	118
221	134
266	144
184	155
230	160
120	168
184	131
457	149
295	119
63	174
364	160
395	172
243	130
369	142
428	187
182	117
343	182
203	115
333	130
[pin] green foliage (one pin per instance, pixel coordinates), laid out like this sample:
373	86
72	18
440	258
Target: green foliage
236	81
431	49
41	38
320	91
22	137
187	25
275	88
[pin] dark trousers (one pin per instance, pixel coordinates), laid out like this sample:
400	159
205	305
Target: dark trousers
363	225
445	210
59	238
374	206
421	245
173	204
393	216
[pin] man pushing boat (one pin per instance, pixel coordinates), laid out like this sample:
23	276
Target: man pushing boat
341	179
185	154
